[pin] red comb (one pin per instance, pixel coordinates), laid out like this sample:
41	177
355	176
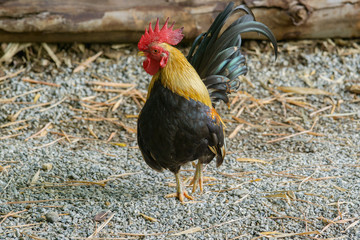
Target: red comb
165	34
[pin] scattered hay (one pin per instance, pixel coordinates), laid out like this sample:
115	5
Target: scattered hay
97	231
87	62
302	90
252	160
146	217
298	116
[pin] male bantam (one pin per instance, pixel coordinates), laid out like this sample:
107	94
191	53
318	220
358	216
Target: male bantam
178	122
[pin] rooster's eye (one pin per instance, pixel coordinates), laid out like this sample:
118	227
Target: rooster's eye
155	51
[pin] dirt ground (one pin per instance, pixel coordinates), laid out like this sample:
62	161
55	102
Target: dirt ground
70	167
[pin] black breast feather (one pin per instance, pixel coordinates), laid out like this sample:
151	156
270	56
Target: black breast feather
173	130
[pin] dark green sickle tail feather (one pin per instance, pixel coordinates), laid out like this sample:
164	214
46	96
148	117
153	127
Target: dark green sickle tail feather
218	59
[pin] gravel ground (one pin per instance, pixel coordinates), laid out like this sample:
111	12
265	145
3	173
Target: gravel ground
59	170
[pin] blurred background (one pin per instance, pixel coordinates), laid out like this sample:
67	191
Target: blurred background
124	21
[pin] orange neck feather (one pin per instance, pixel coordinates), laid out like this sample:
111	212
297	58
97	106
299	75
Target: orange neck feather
181	78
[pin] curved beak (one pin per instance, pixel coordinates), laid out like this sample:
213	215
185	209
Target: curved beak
141	53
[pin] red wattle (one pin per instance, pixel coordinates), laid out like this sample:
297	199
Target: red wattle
151	66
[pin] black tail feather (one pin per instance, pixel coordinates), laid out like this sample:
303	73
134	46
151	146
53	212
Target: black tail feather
215	79
217	58
207	38
219	95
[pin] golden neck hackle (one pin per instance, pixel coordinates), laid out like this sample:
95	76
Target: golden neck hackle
180	77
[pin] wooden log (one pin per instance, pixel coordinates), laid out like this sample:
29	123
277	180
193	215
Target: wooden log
125	21
306	19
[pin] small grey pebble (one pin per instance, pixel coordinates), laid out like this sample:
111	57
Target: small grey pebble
47	166
52	217
17	233
40	219
73	175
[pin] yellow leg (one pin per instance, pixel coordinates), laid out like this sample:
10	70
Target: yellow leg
198	178
180	191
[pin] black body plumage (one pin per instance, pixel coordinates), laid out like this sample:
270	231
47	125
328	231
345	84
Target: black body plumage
173	130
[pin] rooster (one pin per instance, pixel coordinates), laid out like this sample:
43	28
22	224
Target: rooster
178	123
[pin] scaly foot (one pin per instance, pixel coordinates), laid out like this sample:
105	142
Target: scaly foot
198	178
181	194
